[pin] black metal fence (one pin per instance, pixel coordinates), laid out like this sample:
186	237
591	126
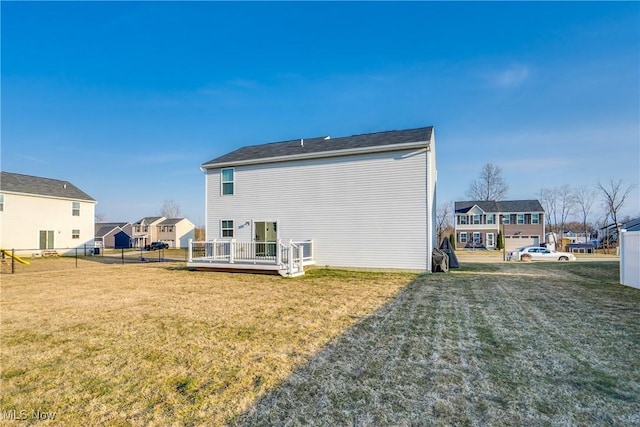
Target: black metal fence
11	258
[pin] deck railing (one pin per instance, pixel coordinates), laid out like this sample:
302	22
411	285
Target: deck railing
289	255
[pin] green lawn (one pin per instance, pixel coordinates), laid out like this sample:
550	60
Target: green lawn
488	344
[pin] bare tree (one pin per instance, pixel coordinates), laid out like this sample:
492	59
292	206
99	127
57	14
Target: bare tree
549	200
100	218
613	196
170	209
567	203
489	185
584	197
558	204
443	221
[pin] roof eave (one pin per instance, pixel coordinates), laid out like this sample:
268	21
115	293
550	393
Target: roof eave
320	155
22	193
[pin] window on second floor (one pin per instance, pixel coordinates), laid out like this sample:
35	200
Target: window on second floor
506	219
535	218
75	208
1	202
228	181
476	219
520	219
462	219
491	219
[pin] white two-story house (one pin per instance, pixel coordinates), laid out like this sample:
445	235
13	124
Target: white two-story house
44	214
358	201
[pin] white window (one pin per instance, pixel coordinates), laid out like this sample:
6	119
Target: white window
506	219
1	202
228	183
520	219
491	219
75	208
462	219
227	228
490	240
476	238
75	234
463	237
535	218
476	219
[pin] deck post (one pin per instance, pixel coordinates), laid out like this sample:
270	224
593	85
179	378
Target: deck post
301	253
279	252
190	256
231	250
290	257
213	248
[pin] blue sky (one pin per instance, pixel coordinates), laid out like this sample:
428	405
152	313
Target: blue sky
127	99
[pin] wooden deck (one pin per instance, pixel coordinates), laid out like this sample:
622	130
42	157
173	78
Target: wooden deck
286	259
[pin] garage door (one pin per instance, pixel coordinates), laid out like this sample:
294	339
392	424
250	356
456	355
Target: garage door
514	242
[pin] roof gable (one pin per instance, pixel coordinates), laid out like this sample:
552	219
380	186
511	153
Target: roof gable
149	220
27	184
499	206
322	146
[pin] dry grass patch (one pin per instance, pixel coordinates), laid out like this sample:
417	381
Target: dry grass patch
151	345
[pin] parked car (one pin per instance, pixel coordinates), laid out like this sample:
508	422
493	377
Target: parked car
538	253
155	246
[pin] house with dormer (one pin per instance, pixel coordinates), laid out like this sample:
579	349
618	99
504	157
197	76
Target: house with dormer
478	224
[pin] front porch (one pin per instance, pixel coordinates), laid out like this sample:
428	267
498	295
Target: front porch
285	258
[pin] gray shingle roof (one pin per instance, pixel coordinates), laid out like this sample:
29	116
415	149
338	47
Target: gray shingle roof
148	220
27	184
171	221
499	206
103	228
310	146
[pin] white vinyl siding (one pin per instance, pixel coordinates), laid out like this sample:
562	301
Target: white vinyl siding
35	213
367	210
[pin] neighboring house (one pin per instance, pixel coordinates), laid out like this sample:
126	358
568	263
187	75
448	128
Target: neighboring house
144	232
113	235
39	213
176	232
478	223
608	235
357	201
630	254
